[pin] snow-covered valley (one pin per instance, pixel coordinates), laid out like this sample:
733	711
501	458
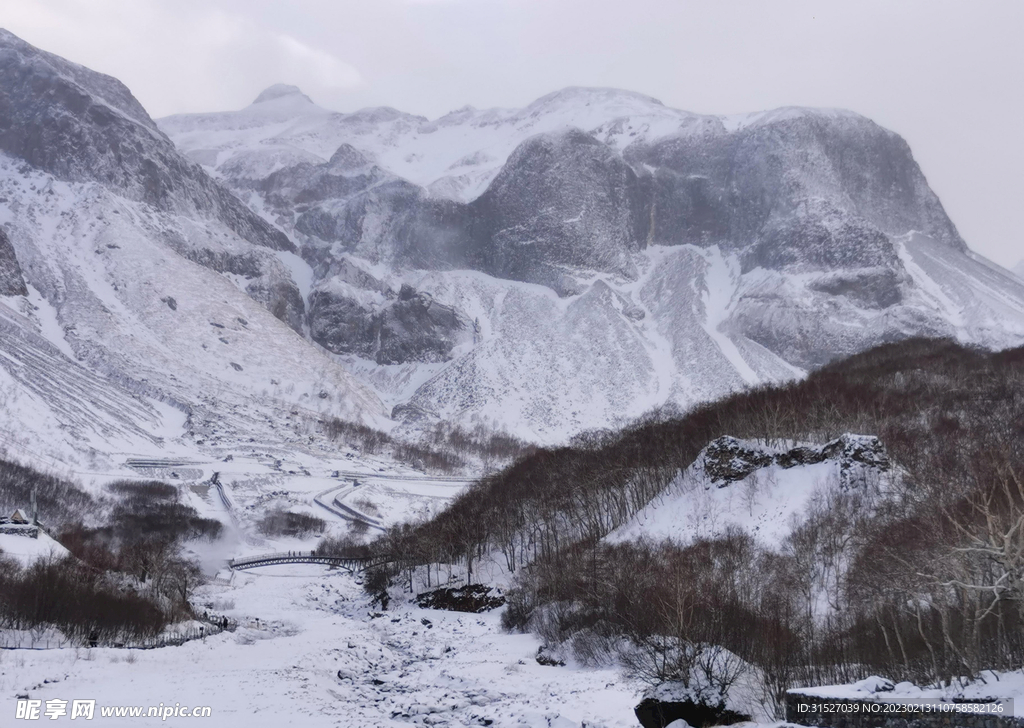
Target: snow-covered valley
706	407
321	655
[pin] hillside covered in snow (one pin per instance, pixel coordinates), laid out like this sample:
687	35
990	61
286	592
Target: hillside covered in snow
145	309
246	276
595	255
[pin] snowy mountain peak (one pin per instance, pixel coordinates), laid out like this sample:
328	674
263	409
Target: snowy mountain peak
281	90
26	61
735	250
587	95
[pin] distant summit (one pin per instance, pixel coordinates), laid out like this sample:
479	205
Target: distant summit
585	95
280	90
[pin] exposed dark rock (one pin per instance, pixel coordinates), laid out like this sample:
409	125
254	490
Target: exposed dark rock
549	658
282	298
306	183
654	713
469	598
247	265
727	459
341	324
347	157
561	201
868	288
811	239
12	283
415	328
812	188
802	455
409	412
412	327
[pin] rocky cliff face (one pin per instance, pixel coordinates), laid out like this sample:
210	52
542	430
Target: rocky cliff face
11	281
563	202
727	460
84	127
407	327
813	187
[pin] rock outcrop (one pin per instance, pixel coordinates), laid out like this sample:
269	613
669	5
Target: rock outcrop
405	327
12	283
728	459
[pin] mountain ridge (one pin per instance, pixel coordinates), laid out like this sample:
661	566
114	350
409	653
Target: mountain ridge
706	253
547	270
136	281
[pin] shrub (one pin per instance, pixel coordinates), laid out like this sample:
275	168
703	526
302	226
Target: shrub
288	523
78	601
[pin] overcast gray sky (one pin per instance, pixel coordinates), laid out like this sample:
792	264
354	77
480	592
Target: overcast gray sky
948	76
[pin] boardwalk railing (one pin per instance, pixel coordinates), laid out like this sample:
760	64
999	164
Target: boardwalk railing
355	564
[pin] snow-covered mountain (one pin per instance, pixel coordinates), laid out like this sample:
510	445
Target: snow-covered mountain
145	308
543	270
579	261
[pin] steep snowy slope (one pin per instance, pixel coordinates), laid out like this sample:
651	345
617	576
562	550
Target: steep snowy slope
595	254
162	311
764	491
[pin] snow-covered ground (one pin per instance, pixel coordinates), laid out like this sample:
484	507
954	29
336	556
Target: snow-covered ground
768	503
121	334
998	686
764	504
331	488
320	657
25	550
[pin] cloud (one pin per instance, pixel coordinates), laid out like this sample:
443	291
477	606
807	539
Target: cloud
328	71
183	56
